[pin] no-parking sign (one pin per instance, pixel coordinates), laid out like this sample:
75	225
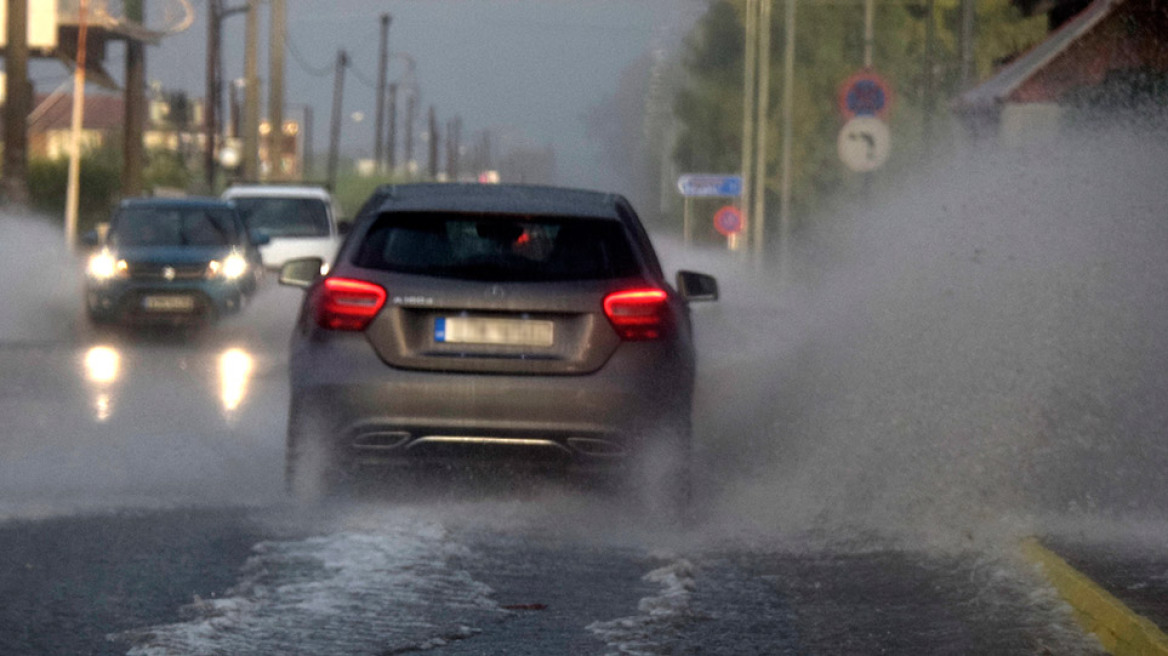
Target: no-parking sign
865	94
728	220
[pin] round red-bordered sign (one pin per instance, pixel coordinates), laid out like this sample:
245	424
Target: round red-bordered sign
865	93
728	220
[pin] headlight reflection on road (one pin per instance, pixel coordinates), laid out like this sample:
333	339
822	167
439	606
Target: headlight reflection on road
103	366
235	367
103	408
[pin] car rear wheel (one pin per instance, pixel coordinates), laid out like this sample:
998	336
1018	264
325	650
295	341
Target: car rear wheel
663	475
312	470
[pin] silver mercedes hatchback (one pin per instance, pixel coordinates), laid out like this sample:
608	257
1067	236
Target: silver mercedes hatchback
477	324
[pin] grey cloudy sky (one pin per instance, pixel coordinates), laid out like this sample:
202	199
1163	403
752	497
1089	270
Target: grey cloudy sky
527	69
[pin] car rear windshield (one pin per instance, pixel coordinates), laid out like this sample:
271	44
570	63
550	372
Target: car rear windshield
174	226
498	247
285	217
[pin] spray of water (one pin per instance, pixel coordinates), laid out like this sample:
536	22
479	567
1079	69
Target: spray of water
978	350
40	279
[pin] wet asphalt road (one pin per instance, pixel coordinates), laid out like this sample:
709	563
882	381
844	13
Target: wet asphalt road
143	512
106	584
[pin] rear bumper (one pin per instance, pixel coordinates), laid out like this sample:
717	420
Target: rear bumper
365	410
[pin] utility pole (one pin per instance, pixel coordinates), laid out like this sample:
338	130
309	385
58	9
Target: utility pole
433	143
929	99
278	31
379	120
454	143
870	30
307	141
788	137
134	155
968	17
338	104
391	143
485	151
18	90
233	108
211	104
758	215
411	110
749	95
73	186
251	93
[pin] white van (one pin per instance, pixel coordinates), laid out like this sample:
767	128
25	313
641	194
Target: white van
299	220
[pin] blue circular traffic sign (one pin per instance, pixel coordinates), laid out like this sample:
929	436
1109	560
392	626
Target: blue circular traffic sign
865	94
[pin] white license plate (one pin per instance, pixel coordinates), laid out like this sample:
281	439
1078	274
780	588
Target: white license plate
475	330
170	303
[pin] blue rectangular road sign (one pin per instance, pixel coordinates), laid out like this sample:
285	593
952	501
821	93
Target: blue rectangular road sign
695	184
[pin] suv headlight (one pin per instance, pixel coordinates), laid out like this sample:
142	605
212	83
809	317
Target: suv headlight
105	266
232	267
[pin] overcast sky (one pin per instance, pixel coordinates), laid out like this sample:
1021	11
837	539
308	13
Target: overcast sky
529	69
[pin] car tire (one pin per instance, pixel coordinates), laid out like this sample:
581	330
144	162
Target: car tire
664	474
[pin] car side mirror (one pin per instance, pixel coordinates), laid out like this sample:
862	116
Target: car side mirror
301	272
695	286
259	237
344	228
90	238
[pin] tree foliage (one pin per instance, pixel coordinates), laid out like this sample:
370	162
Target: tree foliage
828	48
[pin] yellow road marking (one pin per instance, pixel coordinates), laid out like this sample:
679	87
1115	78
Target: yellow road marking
1121	631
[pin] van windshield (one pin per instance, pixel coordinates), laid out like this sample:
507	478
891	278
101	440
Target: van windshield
285	217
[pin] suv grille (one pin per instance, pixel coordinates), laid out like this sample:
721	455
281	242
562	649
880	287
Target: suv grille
150	271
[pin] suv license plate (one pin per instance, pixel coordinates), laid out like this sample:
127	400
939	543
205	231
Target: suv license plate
168	303
510	332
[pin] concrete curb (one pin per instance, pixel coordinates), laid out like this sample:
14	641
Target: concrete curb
1121	631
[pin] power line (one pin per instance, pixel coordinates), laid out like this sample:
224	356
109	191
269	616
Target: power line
315	71
361	77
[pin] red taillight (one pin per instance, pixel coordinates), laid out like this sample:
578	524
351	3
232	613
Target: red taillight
345	304
637	314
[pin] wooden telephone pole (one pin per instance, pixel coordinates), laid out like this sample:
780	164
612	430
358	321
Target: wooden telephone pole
19	104
134	156
276	39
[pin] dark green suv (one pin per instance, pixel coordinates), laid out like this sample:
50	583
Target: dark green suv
167	260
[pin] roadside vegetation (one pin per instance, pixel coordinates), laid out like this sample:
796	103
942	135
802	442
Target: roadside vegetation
829	47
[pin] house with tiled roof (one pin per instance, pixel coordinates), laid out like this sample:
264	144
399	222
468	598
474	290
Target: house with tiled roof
1105	48
50	123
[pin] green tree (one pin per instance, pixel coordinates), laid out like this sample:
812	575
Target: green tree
100	184
828	48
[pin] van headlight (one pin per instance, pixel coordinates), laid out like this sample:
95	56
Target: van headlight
232	267
105	265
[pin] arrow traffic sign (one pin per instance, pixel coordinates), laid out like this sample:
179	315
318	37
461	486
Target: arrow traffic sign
864	144
709	185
